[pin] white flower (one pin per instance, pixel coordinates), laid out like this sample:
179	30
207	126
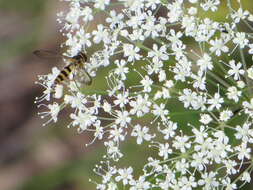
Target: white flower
84	38
122	99
140	184
83	120
189	98
233	93
58	91
226	115
240	39
164	150
187	183
218	46
200	134
246	177
141	133
113	150
101	34
125	175
215	102
182	69
53	112
52	76
140	106
146	82
100	4
107	107
117	133
228	185
244	132
243	151
199	161
87	14
121	69
158	54
209	181
235	70
181	143
239	15
174	37
169	130
160	111
131	52
122	118
114	19
250	72
210	4
205	118
205	63
77	101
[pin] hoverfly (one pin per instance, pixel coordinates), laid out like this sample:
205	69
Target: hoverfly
75	66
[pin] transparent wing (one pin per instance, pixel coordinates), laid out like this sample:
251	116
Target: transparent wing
83	77
47	54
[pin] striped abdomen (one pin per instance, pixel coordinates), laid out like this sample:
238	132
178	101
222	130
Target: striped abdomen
65	72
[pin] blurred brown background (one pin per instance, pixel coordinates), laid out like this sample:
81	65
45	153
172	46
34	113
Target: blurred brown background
32	156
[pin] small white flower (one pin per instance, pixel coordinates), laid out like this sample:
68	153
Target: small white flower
188	97
246	177
116	133
131	52
123	118
243	151
210	4
77	101
209	181
101	34
205	118
121	69
250	72
226	115
218	46
58	91
235	70
164	150
122	99
244	133
100	4
169	130
125	175
140	184
141	133
83	120
146	83
200	134
158	54
161	111
239	15
215	102
240	39
233	93
181	143
205	63
140	106
53	112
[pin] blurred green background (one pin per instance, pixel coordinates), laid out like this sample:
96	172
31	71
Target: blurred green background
31	156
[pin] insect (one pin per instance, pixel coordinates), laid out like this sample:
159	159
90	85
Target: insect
75	66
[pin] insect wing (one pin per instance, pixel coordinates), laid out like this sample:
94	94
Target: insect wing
84	77
47	54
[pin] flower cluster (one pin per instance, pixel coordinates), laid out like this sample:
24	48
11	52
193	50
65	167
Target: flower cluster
178	82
